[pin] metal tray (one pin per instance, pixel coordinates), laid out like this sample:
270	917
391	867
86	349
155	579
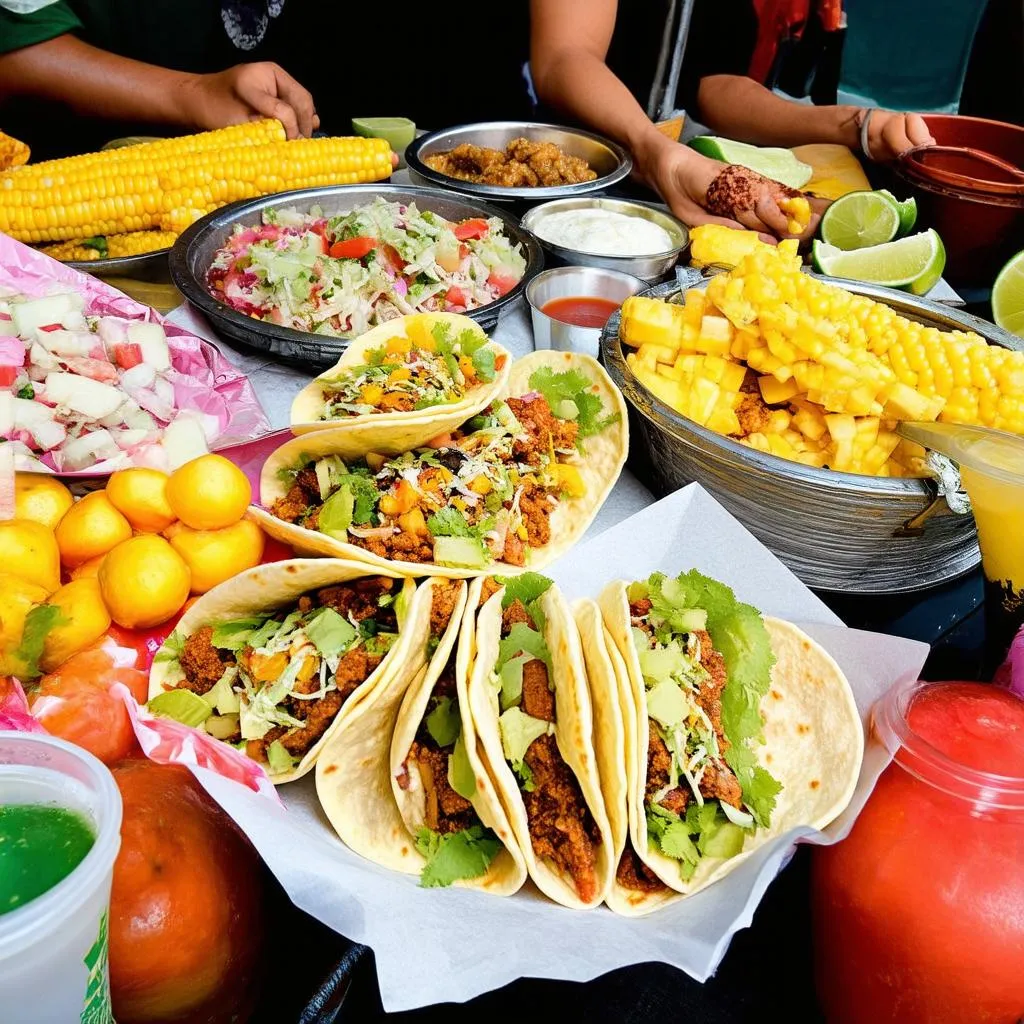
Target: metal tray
611	162
121	266
194	250
839	532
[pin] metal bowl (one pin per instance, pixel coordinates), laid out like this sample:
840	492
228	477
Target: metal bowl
837	531
194	251
653	267
608	159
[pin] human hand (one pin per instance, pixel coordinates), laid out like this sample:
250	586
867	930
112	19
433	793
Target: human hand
891	134
248	92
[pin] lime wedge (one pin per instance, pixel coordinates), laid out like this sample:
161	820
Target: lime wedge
860	219
914	263
398	131
1008	296
777	164
908	212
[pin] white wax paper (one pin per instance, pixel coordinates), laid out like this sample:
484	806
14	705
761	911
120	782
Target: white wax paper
435	945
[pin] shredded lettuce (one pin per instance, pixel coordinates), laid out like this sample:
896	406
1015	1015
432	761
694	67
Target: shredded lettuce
522	639
331	633
444	723
456	856
576	387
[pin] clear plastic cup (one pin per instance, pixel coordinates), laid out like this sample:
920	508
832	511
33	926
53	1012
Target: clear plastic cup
53	950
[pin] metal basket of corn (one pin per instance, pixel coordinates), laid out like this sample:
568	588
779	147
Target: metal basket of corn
838	531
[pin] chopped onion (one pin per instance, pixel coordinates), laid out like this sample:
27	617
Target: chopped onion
737	817
375	532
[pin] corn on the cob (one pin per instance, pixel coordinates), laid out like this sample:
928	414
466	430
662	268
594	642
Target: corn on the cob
13	153
138	189
834	371
135	243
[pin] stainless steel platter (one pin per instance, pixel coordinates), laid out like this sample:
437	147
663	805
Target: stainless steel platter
195	249
838	532
608	159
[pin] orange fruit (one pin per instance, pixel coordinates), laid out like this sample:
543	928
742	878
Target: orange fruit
214	556
144	581
209	493
86	619
88	570
29	550
90	528
140	495
41	498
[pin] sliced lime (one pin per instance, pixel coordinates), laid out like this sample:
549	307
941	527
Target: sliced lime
860	219
398	131
777	164
908	212
1008	296
914	263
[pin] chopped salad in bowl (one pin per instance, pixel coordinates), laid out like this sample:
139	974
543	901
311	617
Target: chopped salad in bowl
343	274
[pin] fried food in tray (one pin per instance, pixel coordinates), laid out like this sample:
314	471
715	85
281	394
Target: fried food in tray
523	163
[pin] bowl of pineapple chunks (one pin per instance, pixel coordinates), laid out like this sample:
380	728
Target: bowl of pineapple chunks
780	391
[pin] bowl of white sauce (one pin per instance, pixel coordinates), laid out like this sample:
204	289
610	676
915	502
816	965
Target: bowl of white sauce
635	238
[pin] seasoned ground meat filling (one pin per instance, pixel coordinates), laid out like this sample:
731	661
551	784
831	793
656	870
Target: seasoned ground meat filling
446	811
659	765
202	663
442	604
633	873
561	825
544	430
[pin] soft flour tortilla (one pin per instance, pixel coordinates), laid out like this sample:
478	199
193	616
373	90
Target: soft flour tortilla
599	467
275	585
573	735
356	773
814	744
393	432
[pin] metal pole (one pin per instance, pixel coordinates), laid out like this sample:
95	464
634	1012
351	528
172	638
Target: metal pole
655	99
668	98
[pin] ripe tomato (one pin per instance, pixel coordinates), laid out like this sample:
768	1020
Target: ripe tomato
502	281
455	296
476	227
186	918
353	248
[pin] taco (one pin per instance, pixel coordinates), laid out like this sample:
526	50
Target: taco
742	729
272	659
404	382
531	710
513	488
401	780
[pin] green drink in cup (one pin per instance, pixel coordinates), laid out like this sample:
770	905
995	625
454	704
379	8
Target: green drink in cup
60	825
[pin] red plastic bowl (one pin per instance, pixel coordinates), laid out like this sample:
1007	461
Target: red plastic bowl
981	232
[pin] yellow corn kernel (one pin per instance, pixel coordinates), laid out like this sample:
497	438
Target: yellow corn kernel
521	532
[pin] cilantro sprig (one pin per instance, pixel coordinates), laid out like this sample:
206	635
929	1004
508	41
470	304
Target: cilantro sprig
576	387
456	856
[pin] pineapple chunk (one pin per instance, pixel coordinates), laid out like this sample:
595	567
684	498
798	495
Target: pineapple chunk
778	422
694	308
650	353
715	336
815	459
743	342
671	392
904	403
798	210
702	400
810	423
758	441
723	420
775	392
715	244
733	376
650	321
842	427
713	368
778	445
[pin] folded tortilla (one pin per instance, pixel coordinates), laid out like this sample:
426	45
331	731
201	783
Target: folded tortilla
267	588
598	467
813	745
392	432
358	774
573	731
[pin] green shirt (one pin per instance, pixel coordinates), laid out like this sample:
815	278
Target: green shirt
437	66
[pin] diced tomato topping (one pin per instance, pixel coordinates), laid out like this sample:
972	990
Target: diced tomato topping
391	254
455	296
502	283
51	327
6	316
127	355
353	248
476	227
463	252
8	375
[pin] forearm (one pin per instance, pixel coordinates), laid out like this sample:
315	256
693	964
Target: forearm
93	82
581	85
740	108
